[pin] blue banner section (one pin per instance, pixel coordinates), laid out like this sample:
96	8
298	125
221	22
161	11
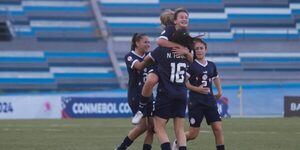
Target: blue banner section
95	107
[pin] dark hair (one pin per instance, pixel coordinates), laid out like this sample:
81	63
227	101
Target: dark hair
135	38
197	39
179	10
182	37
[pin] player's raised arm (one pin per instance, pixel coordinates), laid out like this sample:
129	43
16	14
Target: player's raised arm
141	65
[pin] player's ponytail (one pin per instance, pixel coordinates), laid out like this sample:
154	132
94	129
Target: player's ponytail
133	45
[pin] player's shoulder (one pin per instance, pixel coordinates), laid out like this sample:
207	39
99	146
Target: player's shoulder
211	63
169	29
129	56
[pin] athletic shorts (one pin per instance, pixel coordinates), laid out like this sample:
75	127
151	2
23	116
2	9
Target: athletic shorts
166	107
197	111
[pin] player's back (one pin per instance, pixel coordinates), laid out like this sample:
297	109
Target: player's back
172	71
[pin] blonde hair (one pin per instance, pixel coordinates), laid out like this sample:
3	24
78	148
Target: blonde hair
167	17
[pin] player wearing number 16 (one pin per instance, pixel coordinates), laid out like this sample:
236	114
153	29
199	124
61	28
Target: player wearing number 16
171	96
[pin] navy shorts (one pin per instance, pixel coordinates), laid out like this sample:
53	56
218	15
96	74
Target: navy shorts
197	111
134	105
166	107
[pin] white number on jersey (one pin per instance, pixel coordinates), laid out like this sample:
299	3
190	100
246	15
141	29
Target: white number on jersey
177	72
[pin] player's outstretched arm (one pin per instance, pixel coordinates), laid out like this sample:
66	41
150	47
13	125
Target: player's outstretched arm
141	65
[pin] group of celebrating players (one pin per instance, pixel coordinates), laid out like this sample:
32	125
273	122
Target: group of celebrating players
177	65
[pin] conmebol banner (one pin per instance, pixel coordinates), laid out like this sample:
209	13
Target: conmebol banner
95	107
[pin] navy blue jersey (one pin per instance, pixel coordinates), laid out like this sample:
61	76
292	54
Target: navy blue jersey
202	74
168	33
171	71
136	78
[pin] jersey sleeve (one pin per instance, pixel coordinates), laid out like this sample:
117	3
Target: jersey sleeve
130	61
167	33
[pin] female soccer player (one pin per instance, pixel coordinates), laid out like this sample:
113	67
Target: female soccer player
172	22
171	96
202	102
139	48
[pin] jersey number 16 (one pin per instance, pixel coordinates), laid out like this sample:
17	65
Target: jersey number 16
177	72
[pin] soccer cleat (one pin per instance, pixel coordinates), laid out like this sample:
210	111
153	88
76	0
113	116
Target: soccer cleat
174	145
137	118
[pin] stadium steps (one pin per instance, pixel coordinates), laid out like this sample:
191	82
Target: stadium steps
5	34
56	71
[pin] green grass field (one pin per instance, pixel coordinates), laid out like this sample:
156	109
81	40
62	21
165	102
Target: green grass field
105	134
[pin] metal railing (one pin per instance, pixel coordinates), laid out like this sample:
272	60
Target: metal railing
110	47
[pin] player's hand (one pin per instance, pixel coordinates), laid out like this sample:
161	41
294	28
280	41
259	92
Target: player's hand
217	96
180	50
203	90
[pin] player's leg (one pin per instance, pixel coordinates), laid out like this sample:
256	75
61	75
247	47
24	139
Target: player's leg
133	134
218	133
150	127
179	133
192	133
149	134
179	108
137	130
213	118
161	133
196	115
151	81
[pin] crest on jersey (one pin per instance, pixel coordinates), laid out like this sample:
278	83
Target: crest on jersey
129	58
204	77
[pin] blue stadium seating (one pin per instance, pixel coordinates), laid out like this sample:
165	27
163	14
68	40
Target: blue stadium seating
61	40
222	20
57	48
52	20
34	70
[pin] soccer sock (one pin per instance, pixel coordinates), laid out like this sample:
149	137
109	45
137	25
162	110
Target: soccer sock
220	147
165	146
143	102
126	143
182	148
147	147
144	99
